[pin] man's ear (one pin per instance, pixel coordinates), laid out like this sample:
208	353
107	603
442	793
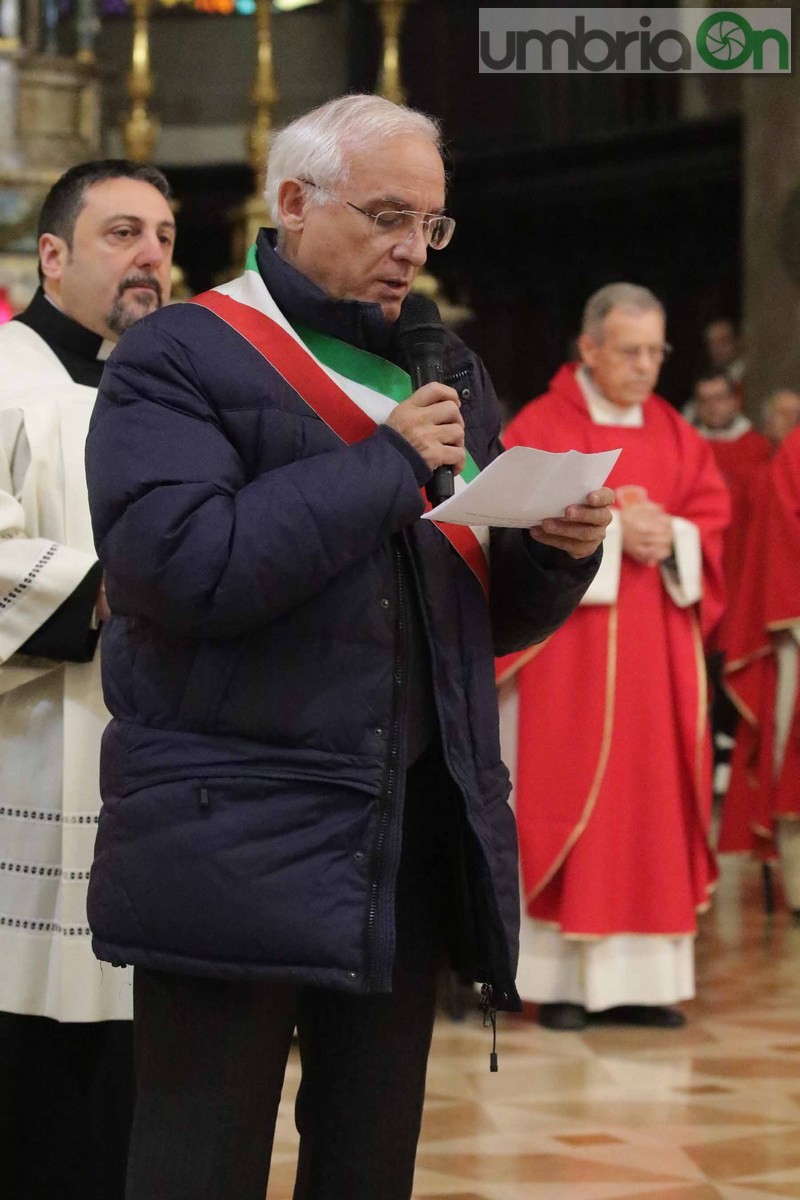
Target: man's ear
587	347
53	251
292	205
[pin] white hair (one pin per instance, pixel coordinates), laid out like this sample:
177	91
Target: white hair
768	404
318	145
628	296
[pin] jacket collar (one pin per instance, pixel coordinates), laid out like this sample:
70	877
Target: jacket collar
355	321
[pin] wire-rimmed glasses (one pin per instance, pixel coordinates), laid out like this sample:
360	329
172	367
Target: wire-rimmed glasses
437	230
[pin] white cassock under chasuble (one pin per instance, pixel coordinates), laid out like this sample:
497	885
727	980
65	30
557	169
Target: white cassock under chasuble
51	715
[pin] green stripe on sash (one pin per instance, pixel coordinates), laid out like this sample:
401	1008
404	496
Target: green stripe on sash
359	365
251	262
370	370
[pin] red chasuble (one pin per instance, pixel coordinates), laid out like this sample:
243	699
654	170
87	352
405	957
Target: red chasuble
613	789
766	601
739	461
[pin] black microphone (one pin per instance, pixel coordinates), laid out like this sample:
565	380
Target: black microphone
421	335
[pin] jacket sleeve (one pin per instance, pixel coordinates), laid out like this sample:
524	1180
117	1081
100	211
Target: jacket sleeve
533	588
191	542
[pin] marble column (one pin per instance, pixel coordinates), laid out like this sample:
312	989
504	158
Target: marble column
9	20
9	151
771	234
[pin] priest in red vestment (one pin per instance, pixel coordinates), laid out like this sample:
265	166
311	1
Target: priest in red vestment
739	450
780	412
762	808
740	453
613	798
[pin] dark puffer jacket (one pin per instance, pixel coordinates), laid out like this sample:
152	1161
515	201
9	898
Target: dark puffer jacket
260	574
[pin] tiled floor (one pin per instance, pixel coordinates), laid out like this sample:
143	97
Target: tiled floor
712	1110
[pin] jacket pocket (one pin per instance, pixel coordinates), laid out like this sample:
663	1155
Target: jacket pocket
243	871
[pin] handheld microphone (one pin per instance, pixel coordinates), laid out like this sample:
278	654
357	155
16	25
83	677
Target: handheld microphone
421	335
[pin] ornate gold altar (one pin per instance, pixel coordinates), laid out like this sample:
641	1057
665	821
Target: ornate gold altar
49	119
50	110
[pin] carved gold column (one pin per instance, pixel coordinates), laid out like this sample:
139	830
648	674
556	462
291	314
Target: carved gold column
253	214
390	85
9	25
263	97
392	14
140	129
9	72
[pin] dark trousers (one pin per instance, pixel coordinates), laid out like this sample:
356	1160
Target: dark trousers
66	1100
724	715
211	1057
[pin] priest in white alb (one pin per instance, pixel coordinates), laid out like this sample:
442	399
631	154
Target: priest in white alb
106	233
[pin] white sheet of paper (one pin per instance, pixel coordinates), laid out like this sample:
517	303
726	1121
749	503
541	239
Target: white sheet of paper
524	486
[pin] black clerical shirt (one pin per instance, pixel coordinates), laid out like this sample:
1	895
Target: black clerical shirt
75	346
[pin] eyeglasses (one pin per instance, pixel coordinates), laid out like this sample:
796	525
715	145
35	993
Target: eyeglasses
654	353
401	223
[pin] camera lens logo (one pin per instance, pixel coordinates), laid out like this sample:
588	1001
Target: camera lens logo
693	40
725	41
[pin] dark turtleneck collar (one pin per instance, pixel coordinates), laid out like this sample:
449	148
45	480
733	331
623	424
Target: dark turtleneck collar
358	322
75	346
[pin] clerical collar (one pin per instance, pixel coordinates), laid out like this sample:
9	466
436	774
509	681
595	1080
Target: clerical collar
739	426
601	410
79	350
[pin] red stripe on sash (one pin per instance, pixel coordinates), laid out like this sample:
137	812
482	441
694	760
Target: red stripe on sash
339	412
462	539
295	364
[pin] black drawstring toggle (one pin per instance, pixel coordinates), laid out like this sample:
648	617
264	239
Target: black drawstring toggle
490	1018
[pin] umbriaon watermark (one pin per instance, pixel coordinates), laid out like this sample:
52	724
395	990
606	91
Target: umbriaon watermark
635	40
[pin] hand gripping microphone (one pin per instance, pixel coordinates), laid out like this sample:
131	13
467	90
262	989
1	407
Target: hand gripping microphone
421	335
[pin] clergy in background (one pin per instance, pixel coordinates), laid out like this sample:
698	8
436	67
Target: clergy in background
106	233
741	453
762	809
780	413
605	724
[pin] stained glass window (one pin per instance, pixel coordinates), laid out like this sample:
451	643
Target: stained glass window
243	8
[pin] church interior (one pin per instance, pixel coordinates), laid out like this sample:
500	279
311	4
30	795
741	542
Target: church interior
559	185
689	185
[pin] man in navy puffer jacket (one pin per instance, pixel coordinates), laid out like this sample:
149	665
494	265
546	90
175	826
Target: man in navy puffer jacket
304	808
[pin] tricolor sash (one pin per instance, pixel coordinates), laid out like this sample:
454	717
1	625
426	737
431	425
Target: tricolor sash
351	390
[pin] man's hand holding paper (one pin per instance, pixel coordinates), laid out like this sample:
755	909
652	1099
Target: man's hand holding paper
560	498
582	528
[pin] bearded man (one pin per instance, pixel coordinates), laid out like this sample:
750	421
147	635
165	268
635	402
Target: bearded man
106	234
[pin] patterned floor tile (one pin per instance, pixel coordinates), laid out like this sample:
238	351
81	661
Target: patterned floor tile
760	1191
768	1189
704	1089
746	1068
699	1191
589	1139
750	1156
534	1168
711	1112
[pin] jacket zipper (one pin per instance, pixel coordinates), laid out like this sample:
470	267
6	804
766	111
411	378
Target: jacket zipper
378	958
450	379
489	991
